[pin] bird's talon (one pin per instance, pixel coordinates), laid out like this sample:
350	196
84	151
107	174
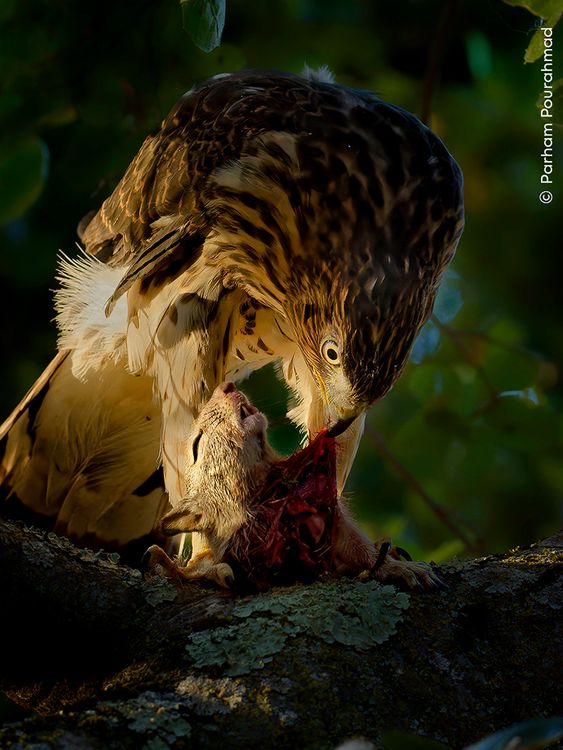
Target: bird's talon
395	565
381	557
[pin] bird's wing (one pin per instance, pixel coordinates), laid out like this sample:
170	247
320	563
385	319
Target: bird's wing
150	213
156	214
162	210
85	453
32	395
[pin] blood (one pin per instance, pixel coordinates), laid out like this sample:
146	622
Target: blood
289	535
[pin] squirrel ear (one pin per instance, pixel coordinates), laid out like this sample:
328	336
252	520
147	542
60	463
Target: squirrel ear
179	521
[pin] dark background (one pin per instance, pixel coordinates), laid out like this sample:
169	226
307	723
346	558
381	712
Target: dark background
474	426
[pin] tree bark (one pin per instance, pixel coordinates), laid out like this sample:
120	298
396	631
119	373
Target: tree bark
104	658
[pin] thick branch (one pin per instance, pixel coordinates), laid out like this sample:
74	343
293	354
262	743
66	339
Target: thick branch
135	662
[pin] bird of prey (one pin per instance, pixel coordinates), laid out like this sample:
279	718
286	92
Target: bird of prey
272	218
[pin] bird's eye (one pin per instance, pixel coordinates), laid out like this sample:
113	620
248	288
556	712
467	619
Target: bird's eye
195	446
331	351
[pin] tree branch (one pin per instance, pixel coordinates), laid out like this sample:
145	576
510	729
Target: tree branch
138	663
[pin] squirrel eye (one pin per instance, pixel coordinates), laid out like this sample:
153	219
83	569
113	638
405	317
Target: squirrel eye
195	445
331	351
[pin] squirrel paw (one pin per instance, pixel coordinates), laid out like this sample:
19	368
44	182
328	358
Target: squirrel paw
198	568
390	568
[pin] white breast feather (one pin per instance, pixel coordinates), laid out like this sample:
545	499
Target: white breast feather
86	284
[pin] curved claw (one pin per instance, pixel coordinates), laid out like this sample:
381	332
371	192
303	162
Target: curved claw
155	559
201	567
381	556
221	574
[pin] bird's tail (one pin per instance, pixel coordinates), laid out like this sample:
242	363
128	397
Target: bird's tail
82	454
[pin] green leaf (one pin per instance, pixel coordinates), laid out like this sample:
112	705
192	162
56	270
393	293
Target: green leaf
541	8
550	12
23	170
536	47
204	21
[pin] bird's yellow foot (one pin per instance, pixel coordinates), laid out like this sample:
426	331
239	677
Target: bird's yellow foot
199	567
390	568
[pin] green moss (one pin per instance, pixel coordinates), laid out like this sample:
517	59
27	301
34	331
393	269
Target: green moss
360	615
157	720
241	648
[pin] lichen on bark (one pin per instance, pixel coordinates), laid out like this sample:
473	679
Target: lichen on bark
357	614
334	660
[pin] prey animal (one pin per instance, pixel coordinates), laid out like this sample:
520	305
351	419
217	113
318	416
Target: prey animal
273	218
228	484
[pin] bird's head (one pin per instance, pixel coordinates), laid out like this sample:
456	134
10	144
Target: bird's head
323	335
356	334
383	225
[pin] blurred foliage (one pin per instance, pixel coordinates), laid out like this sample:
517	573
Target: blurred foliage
471	438
548	13
204	21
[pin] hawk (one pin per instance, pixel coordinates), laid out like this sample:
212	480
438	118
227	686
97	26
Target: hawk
272	218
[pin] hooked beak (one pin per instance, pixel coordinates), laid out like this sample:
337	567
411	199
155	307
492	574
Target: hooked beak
340	426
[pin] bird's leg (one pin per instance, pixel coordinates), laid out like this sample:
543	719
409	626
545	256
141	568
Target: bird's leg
200	566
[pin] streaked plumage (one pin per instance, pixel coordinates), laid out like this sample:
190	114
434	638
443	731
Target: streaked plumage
272	217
